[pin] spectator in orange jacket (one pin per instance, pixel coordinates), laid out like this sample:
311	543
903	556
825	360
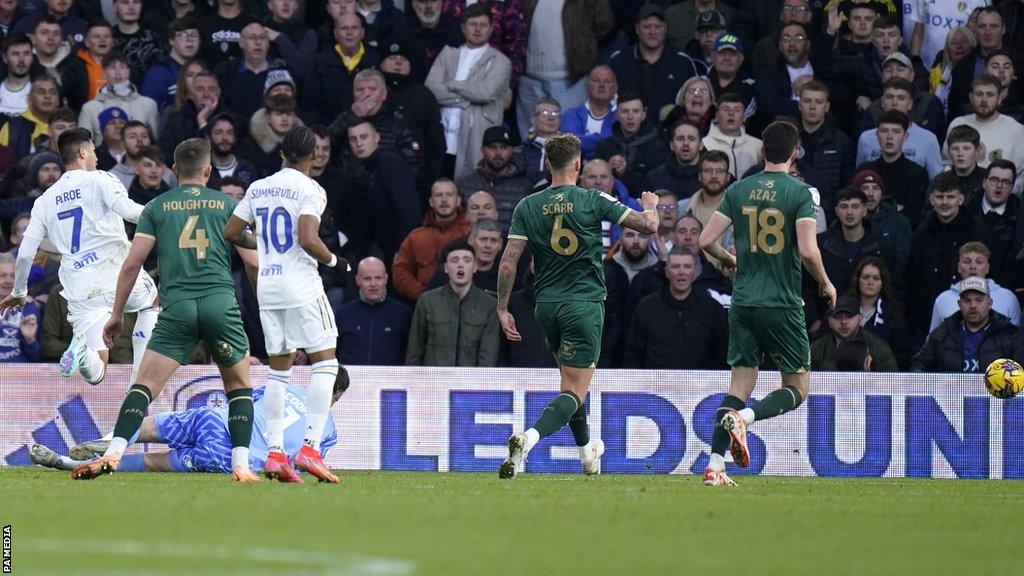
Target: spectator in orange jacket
420	252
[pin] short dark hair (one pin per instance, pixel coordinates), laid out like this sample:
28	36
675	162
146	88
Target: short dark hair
947	182
455	246
684	122
182	24
63	114
98	24
1004	165
561	149
716	156
16	39
1006	53
894	117
729	97
231	181
991	10
851	355
298	144
899	84
154	153
850	193
136	124
112	57
191	157
629	96
964	133
779	141
71	141
358	121
320	131
887	21
684	251
47	20
280	103
476	10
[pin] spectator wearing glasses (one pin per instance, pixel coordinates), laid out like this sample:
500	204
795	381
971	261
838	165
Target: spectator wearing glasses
161	80
714	177
765	46
668	215
547	116
998	207
695	103
780	81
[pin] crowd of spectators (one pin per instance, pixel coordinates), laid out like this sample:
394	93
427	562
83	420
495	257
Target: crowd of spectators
431	118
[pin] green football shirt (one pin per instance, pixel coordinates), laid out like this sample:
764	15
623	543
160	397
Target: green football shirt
193	257
764	209
562	226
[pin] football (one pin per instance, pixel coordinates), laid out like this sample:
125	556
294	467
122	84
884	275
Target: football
1004	378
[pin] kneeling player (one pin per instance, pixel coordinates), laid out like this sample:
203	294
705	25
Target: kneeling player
199	438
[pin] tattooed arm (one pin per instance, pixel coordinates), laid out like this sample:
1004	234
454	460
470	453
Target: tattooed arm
506	279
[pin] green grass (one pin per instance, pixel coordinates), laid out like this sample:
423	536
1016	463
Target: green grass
424	523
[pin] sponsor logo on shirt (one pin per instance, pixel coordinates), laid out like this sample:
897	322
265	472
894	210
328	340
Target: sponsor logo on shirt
87	260
272	270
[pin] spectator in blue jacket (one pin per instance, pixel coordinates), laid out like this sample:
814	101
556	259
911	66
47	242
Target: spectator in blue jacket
547	114
374	328
592	122
19	330
161	80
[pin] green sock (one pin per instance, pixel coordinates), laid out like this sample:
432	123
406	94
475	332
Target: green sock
779	402
720	438
240	417
133	411
579	427
557	414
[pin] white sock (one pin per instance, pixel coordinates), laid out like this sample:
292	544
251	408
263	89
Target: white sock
532	437
144	324
240	458
318	400
717	462
748	416
273	401
93	368
108	435
117	446
69	464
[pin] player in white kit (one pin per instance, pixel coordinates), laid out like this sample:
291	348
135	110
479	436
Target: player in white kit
284	210
83	215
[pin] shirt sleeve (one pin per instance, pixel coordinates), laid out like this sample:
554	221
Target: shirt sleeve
725	207
36	229
115	196
313	204
517	229
243	210
611	209
146	225
808	205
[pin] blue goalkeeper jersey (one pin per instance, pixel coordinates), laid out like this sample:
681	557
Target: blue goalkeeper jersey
295	426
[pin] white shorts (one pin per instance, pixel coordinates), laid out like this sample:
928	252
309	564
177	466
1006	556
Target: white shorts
87	317
310	328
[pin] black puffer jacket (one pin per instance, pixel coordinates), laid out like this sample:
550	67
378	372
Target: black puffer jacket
670	334
508	186
643	152
395	132
833	157
944	349
934	250
677	178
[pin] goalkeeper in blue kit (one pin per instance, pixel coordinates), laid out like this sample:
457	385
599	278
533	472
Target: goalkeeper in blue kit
199	441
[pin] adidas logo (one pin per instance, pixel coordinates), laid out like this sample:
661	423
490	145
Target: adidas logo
139	334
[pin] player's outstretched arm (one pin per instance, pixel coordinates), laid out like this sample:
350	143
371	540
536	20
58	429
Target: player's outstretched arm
22	267
645	222
142	245
807	241
507	279
237	232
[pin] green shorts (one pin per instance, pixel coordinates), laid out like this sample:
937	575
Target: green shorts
572	330
778	333
215	319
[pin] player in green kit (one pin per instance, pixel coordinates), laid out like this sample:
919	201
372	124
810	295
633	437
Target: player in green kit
774	226
198	298
562	226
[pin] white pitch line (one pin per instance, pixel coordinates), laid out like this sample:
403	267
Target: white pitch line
319	563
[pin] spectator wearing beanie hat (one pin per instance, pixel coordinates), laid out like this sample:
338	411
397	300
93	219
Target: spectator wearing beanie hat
886	220
43	171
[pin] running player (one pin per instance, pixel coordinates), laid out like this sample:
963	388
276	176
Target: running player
83	214
199	438
562	226
774	220
285	210
198	297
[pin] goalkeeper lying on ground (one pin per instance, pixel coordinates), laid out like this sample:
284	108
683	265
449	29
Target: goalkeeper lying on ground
199	439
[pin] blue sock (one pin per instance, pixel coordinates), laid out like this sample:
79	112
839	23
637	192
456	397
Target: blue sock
131	463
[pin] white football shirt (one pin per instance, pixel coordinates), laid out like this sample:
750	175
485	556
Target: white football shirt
288	276
83	214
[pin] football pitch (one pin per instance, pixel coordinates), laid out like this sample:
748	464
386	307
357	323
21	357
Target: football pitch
388	523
